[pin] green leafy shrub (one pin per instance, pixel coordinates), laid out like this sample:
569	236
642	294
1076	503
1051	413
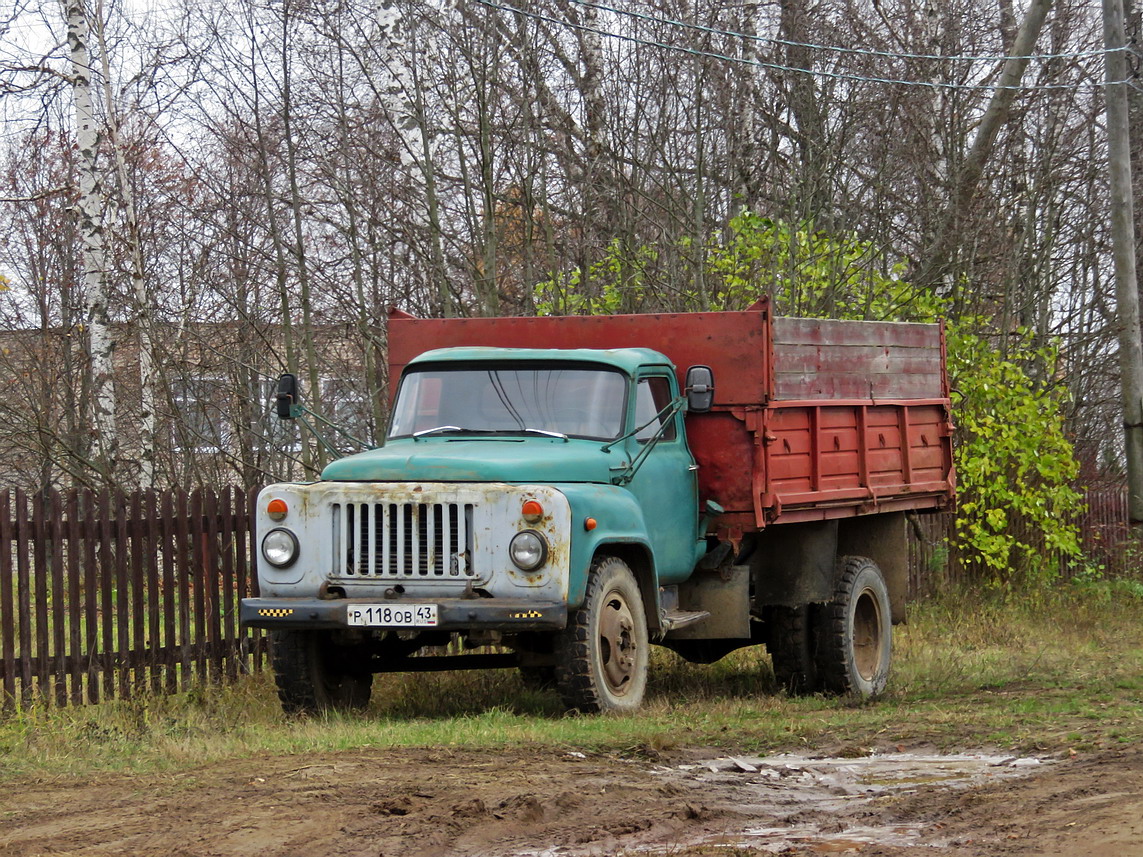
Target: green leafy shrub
1015	466
810	273
1014	463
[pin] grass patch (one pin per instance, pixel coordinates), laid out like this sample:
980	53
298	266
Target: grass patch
1061	670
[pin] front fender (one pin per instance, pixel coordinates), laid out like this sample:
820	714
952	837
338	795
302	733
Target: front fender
619	520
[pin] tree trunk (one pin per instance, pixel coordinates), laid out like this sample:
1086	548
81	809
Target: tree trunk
813	201
145	476
1123	235
301	265
397	88
937	258
90	210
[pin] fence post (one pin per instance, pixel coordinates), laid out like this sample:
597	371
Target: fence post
90	529
7	612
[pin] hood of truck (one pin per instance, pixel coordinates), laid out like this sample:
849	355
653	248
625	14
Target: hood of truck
501	459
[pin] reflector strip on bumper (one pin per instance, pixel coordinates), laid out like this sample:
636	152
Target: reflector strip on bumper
454	614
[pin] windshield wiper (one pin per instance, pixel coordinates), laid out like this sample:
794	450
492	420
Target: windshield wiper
545	433
559	435
438	430
462	430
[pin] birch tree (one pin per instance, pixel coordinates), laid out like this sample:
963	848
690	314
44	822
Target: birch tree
130	236
401	97
936	258
90	211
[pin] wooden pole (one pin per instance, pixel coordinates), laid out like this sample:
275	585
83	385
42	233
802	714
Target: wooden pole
1123	252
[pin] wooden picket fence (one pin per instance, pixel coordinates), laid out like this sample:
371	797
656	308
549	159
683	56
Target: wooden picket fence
108	594
1109	547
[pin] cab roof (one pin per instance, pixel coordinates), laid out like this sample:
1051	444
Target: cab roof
626	360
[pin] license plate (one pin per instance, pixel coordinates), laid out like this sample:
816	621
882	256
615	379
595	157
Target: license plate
393	616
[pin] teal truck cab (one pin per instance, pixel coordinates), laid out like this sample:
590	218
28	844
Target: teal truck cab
561	508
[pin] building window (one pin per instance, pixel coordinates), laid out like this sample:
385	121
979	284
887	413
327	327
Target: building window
346	406
200	422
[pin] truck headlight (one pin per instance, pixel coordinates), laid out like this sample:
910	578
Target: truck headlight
280	548
528	550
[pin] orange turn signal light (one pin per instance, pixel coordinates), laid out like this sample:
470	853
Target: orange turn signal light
532	511
590	524
277	509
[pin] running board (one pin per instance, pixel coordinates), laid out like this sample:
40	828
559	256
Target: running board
674	619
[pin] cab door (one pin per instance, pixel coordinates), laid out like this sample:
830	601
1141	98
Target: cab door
666	484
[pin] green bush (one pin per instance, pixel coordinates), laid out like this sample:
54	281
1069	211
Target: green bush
1015	465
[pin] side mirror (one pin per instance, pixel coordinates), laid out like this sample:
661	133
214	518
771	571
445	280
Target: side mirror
287	396
699	389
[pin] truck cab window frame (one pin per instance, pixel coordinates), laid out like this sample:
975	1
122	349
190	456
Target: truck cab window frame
575	399
652	394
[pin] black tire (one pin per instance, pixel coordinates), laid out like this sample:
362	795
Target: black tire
855	631
315	675
602	655
792	643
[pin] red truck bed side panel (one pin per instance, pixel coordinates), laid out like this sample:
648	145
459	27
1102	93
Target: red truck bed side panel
828	359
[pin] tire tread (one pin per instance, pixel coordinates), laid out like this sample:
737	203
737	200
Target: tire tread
834	648
299	674
573	670
791	641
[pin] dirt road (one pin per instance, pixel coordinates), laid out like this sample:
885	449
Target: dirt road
549	802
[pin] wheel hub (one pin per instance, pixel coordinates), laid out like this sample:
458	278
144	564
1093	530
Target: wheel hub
867	632
617	643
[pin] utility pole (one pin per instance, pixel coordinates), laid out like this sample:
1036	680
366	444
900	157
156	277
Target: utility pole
1123	252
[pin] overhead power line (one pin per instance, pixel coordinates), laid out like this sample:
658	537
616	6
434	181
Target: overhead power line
773	66
658	19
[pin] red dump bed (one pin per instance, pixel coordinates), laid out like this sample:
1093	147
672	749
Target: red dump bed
812	418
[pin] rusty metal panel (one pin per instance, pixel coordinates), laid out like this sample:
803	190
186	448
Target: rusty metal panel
885	540
828	359
823	457
726	598
725	451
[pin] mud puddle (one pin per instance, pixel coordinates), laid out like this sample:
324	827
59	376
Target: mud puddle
824	805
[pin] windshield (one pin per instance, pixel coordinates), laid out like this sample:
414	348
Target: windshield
572	401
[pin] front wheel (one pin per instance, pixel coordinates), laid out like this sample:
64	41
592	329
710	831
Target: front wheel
602	655
314	674
854	631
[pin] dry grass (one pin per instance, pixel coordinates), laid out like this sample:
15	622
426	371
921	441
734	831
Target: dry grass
1061	670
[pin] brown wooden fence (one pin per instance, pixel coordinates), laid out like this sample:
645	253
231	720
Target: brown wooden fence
1108	545
106	594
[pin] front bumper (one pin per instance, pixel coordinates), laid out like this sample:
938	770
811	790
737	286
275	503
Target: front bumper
453	614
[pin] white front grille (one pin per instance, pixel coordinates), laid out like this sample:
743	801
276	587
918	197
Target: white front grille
402	541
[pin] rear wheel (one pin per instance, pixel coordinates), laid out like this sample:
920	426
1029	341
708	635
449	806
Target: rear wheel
854	631
792	643
314	674
602	655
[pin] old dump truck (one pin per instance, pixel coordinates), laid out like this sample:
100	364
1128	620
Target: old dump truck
560	493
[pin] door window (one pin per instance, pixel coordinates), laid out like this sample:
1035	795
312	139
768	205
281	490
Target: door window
651	397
